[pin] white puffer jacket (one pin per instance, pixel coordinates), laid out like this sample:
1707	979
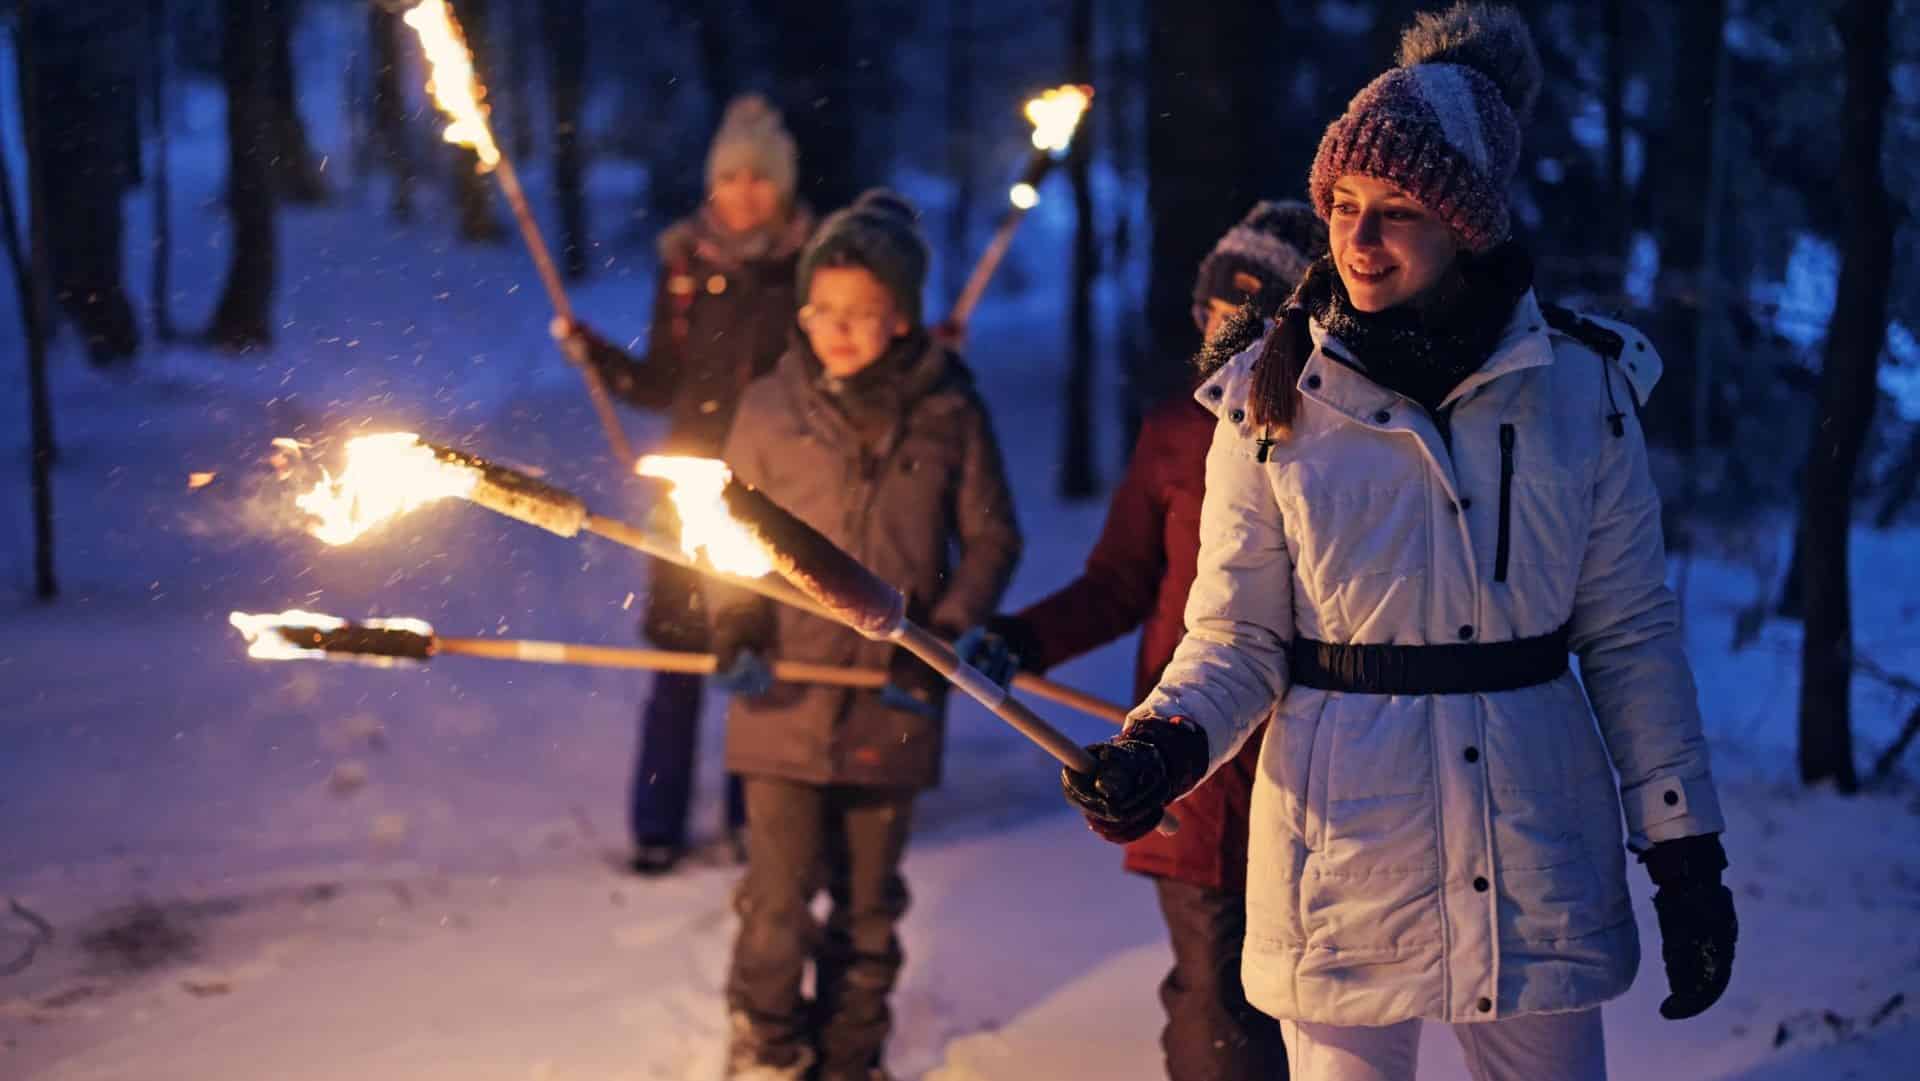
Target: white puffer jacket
1451	857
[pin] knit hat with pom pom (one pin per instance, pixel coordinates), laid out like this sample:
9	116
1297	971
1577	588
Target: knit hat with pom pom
879	233
1444	125
1261	259
752	136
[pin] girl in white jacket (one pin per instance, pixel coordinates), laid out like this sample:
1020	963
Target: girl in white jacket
1424	492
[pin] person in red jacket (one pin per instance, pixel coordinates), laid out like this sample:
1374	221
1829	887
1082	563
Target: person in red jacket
1137	576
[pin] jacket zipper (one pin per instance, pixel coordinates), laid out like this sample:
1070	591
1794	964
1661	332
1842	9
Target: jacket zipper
1506	504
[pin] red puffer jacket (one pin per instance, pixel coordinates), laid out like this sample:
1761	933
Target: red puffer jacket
1138	575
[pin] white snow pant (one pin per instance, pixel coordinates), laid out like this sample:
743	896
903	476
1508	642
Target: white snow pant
1533	1047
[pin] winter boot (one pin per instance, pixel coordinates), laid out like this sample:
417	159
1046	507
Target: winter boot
651	859
750	1057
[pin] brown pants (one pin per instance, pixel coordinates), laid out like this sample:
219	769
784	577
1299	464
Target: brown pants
799	837
1212	1034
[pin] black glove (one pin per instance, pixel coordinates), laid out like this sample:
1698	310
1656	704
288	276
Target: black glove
913	686
1137	773
1697	924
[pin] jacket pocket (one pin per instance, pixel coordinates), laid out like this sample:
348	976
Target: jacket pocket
1503	548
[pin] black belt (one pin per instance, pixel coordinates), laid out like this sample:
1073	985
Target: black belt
1451	668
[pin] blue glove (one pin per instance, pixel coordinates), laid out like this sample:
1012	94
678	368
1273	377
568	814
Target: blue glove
895	696
989	652
747	676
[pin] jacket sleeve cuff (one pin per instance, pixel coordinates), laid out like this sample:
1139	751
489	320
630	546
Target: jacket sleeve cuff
1667	808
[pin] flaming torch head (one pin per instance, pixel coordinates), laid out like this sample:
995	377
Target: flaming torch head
391	473
386	475
705	526
453	84
743	532
296	635
1056	116
816	566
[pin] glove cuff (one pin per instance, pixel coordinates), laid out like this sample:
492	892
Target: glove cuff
1686	861
1181	745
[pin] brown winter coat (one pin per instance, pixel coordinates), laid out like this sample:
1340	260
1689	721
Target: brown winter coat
720	321
1138	575
922	483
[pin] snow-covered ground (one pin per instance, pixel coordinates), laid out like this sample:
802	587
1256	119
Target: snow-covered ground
307	871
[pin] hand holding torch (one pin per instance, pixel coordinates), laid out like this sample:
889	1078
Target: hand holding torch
857	598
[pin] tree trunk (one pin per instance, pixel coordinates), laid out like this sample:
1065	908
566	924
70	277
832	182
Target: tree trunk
1849	387
514	104
296	168
1204	62
159	46
85	87
473	190
1681	186
1616	105
243	318
1079	469
814	71
960	136
566	34
384	34
29	259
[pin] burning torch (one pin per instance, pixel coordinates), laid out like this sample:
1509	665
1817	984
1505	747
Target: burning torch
1055	116
297	635
457	91
389	474
857	598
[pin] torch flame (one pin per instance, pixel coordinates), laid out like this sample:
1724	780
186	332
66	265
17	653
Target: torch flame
266	643
1056	116
453	84
705	525
386	476
267	640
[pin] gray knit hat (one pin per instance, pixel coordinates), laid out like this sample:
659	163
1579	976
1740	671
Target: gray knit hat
880	234
752	136
1261	258
1443	126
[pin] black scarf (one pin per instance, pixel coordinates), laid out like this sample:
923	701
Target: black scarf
873	398
1424	350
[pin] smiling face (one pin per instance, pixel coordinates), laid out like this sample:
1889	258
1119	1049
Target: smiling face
1389	249
850	319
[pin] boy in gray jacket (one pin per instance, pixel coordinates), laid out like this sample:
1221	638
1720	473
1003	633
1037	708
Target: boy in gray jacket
872	434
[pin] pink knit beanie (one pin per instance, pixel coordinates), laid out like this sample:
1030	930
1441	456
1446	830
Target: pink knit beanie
1444	125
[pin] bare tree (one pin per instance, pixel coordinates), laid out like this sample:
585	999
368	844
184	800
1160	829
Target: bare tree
243	317
472	191
389	104
29	259
1849	388
159	57
296	168
959	134
1079	468
566	35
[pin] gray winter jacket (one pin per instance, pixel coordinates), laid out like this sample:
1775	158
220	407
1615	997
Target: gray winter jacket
929	484
1453	857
